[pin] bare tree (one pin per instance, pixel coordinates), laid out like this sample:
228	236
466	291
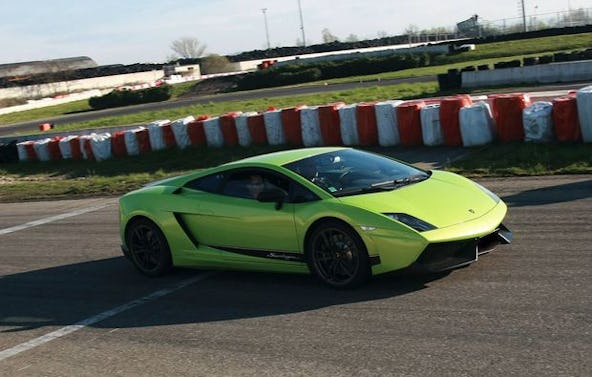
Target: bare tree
352	38
188	47
381	34
328	37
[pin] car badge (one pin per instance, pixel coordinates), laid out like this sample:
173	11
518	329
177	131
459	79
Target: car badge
471	210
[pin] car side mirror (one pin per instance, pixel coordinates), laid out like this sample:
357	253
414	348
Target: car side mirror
273	195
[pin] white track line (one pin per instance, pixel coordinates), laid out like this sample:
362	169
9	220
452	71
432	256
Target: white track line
53	218
97	318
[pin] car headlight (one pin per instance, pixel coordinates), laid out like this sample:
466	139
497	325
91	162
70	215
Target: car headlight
413	222
495	198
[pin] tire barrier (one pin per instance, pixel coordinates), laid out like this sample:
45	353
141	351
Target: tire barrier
330	124
70	147
195	131
179	129
429	122
431	129
311	127
348	125
507	112
273	127
565	119
386	123
449	118
366	125
118	148
213	132
257	129
291	123
408	115
228	128
242	128
476	125
160	134
538	122
584	99
137	141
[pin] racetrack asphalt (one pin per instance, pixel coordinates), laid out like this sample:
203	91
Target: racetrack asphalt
523	310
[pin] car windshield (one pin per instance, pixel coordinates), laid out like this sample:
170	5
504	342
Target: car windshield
352	172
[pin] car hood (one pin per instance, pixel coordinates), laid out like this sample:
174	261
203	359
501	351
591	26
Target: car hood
443	200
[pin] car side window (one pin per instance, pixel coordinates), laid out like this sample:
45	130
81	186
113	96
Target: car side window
248	184
210	183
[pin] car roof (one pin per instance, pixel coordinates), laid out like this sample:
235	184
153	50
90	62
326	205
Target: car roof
284	157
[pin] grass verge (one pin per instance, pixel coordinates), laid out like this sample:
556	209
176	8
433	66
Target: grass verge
76	179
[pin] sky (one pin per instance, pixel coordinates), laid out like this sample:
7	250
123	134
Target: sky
141	31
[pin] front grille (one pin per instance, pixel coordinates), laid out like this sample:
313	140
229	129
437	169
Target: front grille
446	255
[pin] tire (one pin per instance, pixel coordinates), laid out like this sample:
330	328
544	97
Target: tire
336	255
148	248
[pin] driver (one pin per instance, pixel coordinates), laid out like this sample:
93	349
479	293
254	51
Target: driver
255	185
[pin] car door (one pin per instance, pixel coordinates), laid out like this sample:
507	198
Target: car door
230	218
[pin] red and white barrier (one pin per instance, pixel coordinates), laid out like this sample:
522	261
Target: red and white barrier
366	124
118	148
449	118
133	140
214	137
348	124
584	99
156	133
242	128
409	123
228	128
292	125
431	129
386	123
538	122
409	119
96	146
257	129
507	112
70	147
566	120
42	149
179	128
476	124
311	127
273	127
196	132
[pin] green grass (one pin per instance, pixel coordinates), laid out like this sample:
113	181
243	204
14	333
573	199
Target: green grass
75	179
218	108
526	159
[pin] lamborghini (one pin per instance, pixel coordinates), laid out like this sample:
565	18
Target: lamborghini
342	214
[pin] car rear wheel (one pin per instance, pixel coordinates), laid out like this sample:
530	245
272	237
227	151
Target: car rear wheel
336	254
148	248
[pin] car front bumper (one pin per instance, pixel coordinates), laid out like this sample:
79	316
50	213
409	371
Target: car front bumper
442	256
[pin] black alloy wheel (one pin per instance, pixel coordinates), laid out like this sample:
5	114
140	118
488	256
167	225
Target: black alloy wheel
337	255
148	248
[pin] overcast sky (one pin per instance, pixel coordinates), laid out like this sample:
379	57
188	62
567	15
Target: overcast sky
138	31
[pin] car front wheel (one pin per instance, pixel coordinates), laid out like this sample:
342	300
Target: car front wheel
337	255
148	248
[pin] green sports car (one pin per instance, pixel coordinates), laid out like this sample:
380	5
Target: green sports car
339	213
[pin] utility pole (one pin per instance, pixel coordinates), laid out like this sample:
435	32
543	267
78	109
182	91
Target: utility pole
264	10
301	24
523	16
